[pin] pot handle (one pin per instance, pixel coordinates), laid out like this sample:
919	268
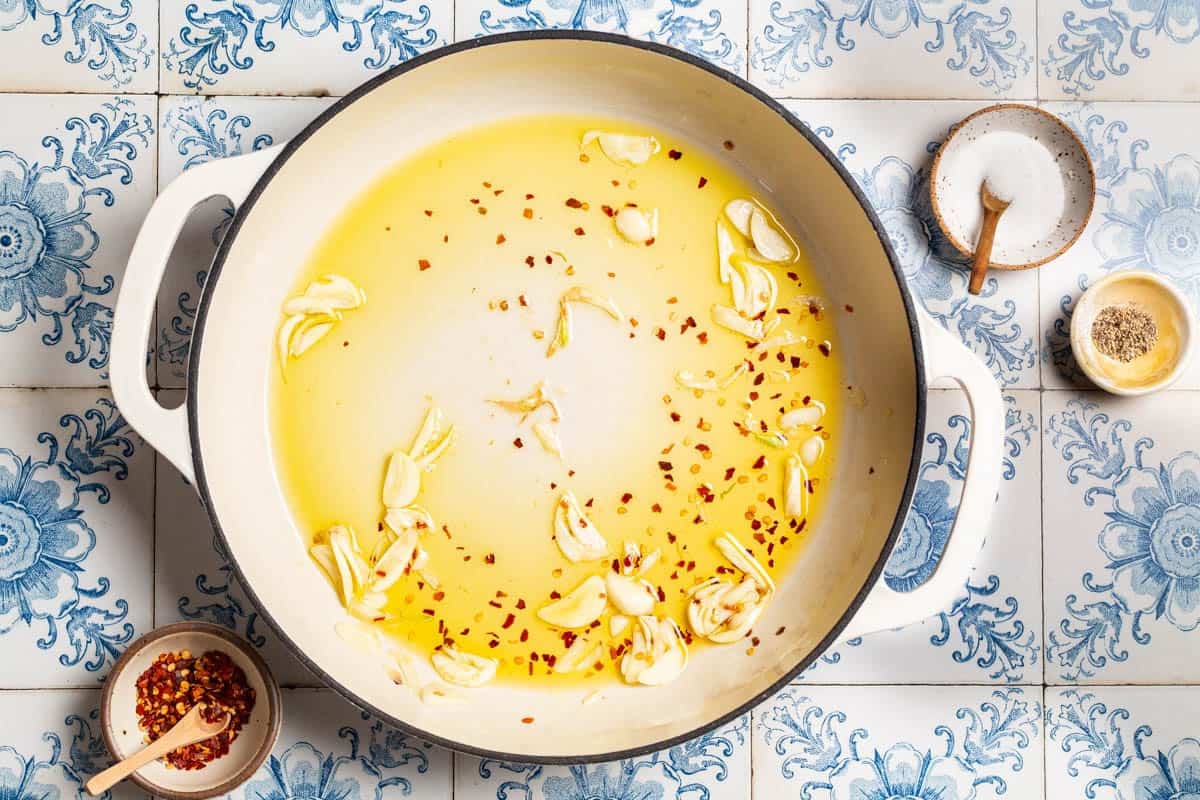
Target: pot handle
884	609
166	430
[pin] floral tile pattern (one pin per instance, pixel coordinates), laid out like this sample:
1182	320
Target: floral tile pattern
1089	577
78	45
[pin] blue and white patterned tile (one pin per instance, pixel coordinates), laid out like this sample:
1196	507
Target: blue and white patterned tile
193	579
195	131
992	633
76	537
1119	49
275	47
715	766
55	748
329	750
78	45
888	147
76	179
881	48
1147	216
712	29
1123	742
1121	543
888	742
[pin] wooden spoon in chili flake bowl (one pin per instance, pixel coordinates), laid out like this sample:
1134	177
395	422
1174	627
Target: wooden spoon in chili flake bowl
158	680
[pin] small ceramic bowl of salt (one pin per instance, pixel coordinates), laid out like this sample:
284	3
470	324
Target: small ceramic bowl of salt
1030	159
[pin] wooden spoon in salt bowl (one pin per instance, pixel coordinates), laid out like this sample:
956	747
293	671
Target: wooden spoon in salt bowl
192	728
993	206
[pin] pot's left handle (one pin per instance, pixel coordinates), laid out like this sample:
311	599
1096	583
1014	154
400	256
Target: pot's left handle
884	609
166	430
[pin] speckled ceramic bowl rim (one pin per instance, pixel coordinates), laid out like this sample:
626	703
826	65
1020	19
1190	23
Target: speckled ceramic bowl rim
1087	159
1185	353
274	717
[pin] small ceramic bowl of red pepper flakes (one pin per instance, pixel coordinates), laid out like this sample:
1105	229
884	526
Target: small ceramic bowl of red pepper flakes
161	677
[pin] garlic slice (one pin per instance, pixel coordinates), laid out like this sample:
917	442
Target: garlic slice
617	624
548	438
771	439
637	226
396	561
795	488
805	416
768	240
402	482
738	212
725	271
312	314
688	380
760	293
621	147
578	294
781	340
413	517
351	566
580	655
431	441
629	595
463	669
531	402
723	611
730	319
575	534
658	654
811	450
579	607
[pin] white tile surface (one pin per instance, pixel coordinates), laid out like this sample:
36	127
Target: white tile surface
76	519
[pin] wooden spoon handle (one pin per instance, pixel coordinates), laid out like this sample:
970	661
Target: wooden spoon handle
983	250
179	736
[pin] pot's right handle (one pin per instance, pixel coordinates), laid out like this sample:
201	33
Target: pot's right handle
884	609
166	430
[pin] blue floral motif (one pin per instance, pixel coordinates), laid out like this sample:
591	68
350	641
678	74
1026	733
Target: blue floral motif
983	43
678	23
969	755
46	239
660	776
1150	541
211	42
227	606
101	34
55	777
1174	775
1092	47
926	528
44	539
937	272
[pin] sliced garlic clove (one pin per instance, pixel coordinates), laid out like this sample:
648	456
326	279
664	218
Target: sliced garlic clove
637	226
617	624
323	555
738	212
575	534
809	415
548	438
402	482
688	380
761	291
579	607
431	441
771	439
580	655
310	331
461	668
582	294
781	340
411	518
725	270
352	567
396	561
623	148
730	319
632	596
795	488
740	557
658	654
531	402
769	240
724	612
336	291
777	376
283	340
811	450
562	330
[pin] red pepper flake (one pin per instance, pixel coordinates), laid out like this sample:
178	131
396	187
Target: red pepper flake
518	443
529	261
524	634
487	184
494	604
573	203
729	473
554	595
445	238
527	720
490	558
527	213
500	238
508	621
727	144
700	184
650	241
608	210
656	508
475	200
498	192
674	155
674	418
662	596
661	334
625	498
521	299
428	212
174	683
579	232
670	537
824	348
703	337
665	466
849	308
423	264
482	210
439	595
760	462
429	612
494	643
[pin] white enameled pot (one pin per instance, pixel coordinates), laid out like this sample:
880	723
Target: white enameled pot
288	196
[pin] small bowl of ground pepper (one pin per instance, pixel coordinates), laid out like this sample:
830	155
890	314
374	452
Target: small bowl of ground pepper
160	678
1131	332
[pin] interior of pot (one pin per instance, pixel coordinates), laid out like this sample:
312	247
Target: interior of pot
423	105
